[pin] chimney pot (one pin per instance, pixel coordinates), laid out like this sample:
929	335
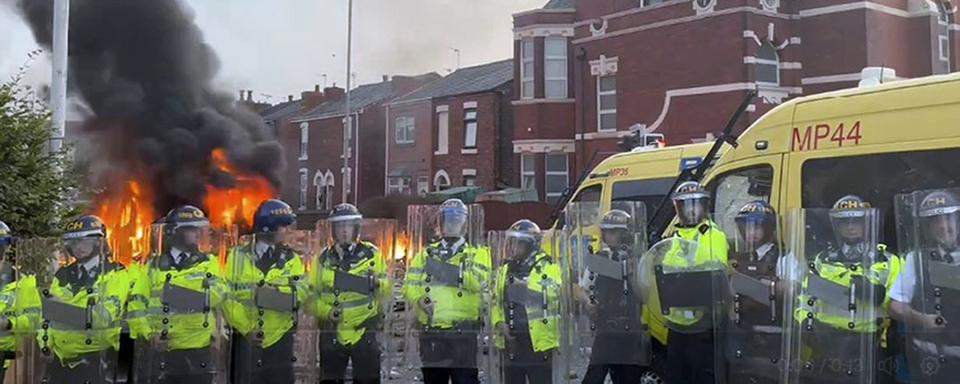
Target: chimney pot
241	95
289	98
386	78
316	87
249	95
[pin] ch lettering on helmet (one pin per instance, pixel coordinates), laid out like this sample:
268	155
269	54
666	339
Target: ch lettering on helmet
281	211
852	204
933	202
74	226
190	214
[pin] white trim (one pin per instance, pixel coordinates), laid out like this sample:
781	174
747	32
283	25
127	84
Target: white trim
547	79
795	41
609	111
602	135
528	77
469	104
543	30
940	44
531	173
443	108
468	151
436	179
709	89
860	5
791	65
839	78
469	172
704	9
682	20
544	145
544	10
752	108
953	27
304	141
604	65
443	135
543	101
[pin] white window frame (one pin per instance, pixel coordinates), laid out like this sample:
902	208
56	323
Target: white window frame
528	173
423	185
469	180
466	127
304	175
320	183
562	59
304	140
441	179
944	42
443	133
764	61
331	186
527	82
404	130
548	173
398	185
602	112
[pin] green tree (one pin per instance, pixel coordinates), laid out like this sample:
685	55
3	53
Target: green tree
34	192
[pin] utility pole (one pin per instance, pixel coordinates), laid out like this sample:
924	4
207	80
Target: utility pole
58	86
348	120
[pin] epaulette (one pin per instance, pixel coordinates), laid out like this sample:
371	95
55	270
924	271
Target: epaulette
704	228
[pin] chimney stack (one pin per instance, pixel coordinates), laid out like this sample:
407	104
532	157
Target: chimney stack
289	98
316	87
241	95
386	78
249	95
334	93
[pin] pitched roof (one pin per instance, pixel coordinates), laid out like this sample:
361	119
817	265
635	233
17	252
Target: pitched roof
360	98
281	110
561	4
464	81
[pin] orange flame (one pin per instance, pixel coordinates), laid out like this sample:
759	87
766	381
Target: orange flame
127	213
235	206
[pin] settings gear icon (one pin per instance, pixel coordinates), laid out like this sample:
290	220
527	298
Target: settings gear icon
930	365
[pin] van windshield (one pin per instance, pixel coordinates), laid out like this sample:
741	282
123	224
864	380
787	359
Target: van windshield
649	191
878	179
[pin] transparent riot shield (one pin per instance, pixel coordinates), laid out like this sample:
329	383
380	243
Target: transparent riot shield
928	290
754	317
445	291
274	338
526	312
79	294
838	305
685	282
176	314
351	304
608	334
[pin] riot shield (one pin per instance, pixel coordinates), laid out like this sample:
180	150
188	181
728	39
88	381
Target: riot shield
838	306
274	339
685	282
350	301
176	311
754	317
445	290
79	293
608	334
928	290
526	312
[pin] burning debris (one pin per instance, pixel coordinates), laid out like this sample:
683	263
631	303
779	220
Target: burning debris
163	136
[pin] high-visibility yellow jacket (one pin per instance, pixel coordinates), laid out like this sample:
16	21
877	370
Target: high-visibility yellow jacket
453	301
19	303
146	313
103	299
355	310
712	248
542	323
243	277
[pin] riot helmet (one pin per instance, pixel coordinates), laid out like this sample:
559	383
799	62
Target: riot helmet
615	228
345	220
523	240
84	237
453	219
939	215
273	220
849	219
182	225
692	203
756	226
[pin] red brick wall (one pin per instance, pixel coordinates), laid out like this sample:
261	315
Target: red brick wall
485	160
414	158
370	154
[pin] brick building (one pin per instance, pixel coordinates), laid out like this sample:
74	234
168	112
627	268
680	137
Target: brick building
451	131
315	140
590	72
281	114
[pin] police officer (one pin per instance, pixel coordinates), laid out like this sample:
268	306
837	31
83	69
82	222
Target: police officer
444	284
177	303
526	310
621	346
690	355
925	295
753	336
349	294
19	301
836	330
264	328
96	287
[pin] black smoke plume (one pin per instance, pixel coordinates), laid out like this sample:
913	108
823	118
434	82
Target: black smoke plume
143	69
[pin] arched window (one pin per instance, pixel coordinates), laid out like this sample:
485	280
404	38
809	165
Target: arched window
320	183
441	180
768	65
329	185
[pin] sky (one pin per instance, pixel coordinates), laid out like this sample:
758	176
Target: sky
282	47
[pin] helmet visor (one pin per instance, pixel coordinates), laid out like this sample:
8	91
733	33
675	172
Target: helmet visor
84	248
691	211
942	230
453	223
345	231
520	244
754	233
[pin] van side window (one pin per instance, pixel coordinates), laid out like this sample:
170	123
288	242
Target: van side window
734	189
878	178
589	200
650	192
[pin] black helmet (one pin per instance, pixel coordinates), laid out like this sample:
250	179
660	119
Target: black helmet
345	214
691	202
84	226
273	214
757	213
186	216
453	218
526	233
